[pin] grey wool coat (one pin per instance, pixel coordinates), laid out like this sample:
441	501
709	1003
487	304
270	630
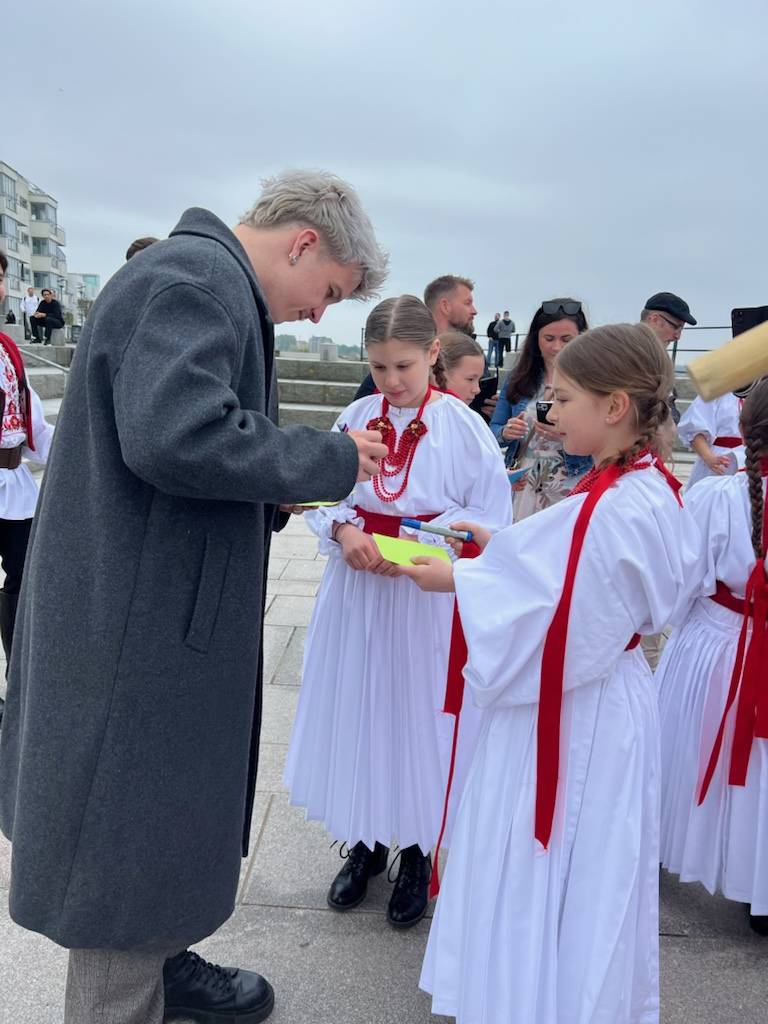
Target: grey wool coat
129	746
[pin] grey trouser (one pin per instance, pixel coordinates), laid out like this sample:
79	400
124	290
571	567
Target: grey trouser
109	987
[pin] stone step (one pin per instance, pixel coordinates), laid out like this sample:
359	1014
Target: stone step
316	392
61	354
47	382
314	369
309	415
51	408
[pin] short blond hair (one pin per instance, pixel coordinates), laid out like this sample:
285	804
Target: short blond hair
320	200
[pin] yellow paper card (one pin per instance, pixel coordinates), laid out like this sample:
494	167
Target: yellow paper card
315	504
402	551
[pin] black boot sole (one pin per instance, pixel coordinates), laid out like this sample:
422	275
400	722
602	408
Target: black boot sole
403	926
253	1016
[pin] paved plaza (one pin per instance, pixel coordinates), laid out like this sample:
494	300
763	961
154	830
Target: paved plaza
329	968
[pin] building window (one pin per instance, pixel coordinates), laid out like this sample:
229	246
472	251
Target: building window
41	280
7	186
43	211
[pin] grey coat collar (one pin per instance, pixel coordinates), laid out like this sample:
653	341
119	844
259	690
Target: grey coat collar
197	221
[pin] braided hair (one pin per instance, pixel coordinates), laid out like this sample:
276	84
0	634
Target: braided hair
630	358
754	427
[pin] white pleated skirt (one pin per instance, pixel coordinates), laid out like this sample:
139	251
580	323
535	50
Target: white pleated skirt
568	935
723	843
370	749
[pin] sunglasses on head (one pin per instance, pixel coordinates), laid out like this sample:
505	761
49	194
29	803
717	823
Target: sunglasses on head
570	308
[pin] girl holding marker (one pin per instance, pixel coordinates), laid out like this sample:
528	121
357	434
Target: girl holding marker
373	741
548	912
713	694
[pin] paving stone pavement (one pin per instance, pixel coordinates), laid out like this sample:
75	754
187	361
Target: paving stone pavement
329	968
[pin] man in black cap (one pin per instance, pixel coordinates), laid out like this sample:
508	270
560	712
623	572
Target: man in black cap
667	314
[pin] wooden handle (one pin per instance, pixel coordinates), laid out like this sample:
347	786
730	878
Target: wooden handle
735	364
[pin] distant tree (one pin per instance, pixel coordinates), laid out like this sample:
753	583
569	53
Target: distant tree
84	307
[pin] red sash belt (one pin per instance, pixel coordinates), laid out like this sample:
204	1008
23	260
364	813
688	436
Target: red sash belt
749	681
633	642
728	442
724	597
387	526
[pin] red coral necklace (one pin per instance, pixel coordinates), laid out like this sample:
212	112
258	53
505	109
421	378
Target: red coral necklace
400	453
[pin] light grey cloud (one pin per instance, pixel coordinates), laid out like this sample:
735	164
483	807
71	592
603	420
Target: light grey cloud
606	149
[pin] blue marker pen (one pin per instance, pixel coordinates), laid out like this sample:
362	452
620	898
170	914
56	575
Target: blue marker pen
416	524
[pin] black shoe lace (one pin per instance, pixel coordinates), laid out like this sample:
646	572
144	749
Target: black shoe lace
204	971
409	873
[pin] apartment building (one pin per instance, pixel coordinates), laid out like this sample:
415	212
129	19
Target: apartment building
34	240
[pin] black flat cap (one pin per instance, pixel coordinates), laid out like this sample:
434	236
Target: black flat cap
666	302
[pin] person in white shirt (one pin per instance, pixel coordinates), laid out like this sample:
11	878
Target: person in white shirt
29	306
24	433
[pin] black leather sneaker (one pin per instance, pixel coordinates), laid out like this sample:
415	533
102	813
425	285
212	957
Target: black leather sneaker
759	923
208	994
410	897
350	887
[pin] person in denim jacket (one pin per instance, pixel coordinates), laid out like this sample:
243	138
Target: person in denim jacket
530	444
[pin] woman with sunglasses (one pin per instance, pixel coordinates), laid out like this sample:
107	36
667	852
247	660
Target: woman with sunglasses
520	423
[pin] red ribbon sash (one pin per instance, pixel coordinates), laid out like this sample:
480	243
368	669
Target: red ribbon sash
728	442
749	680
596	483
389	526
454	700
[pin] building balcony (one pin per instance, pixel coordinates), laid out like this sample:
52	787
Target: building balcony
9	244
48	264
45	229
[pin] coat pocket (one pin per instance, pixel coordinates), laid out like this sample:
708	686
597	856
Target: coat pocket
209	590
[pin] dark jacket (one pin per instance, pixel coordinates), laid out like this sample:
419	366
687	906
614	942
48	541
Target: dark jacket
129	747
53	314
366	388
491	330
505	410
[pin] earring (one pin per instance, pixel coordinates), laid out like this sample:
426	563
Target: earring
294	260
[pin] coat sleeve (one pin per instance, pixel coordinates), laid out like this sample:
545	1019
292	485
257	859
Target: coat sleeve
640	563
181	426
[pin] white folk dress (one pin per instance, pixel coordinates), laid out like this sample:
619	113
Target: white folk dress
723	843
719	418
567	935
370	749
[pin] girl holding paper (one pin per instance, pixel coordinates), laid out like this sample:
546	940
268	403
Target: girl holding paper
549	906
371	748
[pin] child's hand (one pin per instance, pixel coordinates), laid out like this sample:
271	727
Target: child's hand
358	549
295	510
384	568
480	536
432	574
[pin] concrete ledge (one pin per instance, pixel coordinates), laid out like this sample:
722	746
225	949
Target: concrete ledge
314	369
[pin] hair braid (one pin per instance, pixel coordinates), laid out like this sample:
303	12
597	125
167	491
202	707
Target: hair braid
438	372
754	427
756	500
652	417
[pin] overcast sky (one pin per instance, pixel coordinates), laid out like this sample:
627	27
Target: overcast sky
600	148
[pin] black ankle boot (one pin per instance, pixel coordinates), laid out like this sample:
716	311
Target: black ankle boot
209	994
758	923
350	887
410	897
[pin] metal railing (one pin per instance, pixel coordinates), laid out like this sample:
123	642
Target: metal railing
678	347
48	362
